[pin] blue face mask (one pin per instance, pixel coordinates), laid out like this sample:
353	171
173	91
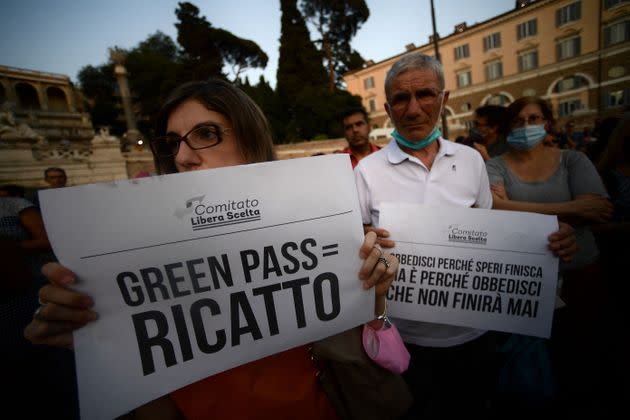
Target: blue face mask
420	144
524	138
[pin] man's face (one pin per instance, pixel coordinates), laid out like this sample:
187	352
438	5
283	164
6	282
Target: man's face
415	103
487	131
55	179
356	130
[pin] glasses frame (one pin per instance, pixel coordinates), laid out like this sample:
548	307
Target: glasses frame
426	102
519	122
219	130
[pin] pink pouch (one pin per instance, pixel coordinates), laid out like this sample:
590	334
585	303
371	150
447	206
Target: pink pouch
386	348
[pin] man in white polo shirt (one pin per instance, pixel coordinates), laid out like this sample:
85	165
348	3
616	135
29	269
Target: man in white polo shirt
452	368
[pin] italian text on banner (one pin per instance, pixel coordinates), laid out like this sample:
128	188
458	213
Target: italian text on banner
486	269
196	273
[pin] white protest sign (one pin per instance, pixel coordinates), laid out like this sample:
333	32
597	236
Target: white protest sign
196	273
486	269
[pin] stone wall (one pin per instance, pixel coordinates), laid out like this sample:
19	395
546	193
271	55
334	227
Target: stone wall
310	148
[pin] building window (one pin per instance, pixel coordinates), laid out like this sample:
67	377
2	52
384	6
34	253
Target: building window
567	108
492	41
567	14
529	92
372	105
612	3
616	33
498	99
494	70
526	29
617	98
464	79
613	73
462	52
570	83
368	83
528	60
568	48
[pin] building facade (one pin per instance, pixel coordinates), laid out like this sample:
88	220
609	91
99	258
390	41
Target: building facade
42	124
574	53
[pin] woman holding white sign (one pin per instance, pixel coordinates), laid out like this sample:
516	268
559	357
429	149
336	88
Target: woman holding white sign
205	125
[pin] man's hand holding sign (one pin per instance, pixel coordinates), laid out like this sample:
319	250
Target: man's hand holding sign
462	267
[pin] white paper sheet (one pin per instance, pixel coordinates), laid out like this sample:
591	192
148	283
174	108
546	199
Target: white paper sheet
222	249
486	269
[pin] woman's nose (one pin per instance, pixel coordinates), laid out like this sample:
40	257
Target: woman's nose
186	156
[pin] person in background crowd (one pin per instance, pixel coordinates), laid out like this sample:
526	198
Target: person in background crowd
451	367
12	190
24	247
487	134
612	238
569	138
356	128
601	135
55	178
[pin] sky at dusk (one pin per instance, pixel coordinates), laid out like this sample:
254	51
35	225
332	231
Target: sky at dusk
61	36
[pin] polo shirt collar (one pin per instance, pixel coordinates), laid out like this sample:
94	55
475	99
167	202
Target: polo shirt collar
396	155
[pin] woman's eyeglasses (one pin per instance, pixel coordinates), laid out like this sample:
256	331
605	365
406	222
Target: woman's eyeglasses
531	120
200	137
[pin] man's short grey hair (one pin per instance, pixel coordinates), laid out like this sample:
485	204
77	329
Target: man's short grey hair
414	61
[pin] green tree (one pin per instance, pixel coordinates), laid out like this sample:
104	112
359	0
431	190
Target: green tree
267	99
337	22
318	112
206	49
153	72
157	65
98	86
299	67
200	55
240	54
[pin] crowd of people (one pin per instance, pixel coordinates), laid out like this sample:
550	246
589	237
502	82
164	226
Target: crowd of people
515	161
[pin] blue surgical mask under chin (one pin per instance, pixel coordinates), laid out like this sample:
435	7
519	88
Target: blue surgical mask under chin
420	144
525	138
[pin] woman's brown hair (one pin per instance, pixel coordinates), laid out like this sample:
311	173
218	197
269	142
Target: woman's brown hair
249	124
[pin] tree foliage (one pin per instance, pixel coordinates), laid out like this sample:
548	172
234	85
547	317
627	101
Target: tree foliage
153	72
299	68
206	49
302	106
310	107
157	65
240	54
98	86
337	22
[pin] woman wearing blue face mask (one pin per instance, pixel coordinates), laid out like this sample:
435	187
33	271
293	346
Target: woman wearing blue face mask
532	177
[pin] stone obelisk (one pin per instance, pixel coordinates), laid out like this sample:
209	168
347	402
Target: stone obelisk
132	135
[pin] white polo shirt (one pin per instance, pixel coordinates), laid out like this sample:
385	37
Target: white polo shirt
457	177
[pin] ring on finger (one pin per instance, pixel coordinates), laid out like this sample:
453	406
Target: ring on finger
384	261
